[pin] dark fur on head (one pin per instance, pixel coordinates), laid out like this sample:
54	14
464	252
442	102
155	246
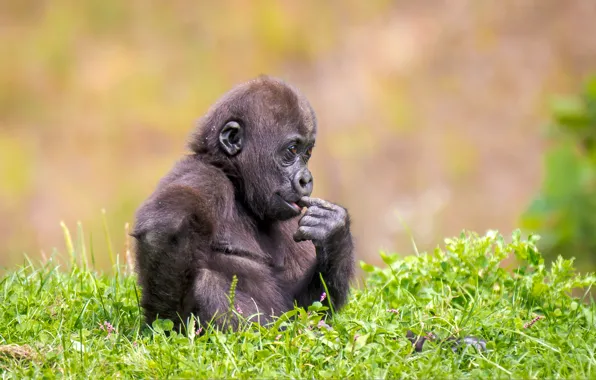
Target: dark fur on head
256	103
266	107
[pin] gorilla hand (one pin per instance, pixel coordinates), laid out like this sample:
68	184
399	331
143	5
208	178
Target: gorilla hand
328	226
322	221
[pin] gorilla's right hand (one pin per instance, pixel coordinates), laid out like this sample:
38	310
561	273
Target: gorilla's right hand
322	221
328	226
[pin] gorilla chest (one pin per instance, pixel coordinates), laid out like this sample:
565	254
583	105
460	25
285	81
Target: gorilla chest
264	254
279	258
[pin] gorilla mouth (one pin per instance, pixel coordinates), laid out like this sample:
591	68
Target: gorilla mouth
293	205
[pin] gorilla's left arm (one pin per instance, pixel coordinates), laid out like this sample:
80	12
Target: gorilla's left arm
328	226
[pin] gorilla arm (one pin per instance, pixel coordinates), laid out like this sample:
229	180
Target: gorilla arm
328	226
168	226
181	271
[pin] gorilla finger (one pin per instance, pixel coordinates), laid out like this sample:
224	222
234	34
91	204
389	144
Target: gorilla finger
317	212
309	220
312	233
310	202
305	202
301	235
328	216
333	211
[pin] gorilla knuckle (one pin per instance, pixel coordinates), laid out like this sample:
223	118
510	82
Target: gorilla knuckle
308	220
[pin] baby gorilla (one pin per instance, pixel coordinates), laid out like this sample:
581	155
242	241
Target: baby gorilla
234	207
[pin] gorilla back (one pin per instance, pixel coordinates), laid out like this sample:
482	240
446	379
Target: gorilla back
240	205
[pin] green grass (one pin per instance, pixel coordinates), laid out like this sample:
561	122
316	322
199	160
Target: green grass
54	322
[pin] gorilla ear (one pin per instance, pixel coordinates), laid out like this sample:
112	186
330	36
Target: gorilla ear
231	138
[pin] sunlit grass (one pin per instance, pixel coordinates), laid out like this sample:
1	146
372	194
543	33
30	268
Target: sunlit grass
67	319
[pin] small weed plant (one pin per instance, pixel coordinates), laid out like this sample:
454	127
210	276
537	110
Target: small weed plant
538	322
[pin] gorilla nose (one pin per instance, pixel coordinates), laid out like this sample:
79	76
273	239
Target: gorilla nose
303	183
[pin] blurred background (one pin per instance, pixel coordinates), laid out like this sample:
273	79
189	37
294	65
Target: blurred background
433	115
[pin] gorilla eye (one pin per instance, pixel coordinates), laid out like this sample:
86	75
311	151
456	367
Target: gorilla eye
293	149
309	152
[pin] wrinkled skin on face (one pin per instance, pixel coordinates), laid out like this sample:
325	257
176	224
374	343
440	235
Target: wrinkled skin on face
290	179
267	139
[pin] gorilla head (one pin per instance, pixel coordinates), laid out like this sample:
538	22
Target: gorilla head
262	134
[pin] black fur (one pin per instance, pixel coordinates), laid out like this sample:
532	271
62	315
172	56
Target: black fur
233	207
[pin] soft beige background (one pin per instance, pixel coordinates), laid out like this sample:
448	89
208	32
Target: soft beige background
430	111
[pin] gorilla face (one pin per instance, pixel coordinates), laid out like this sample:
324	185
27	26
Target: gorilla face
275	173
296	180
262	135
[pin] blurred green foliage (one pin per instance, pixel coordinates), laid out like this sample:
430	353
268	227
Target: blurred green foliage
564	212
